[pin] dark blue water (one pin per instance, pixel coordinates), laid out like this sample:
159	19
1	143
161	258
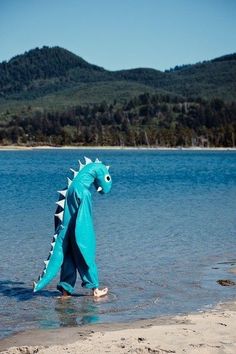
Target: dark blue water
165	235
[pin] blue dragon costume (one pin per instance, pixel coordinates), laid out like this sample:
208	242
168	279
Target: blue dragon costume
73	245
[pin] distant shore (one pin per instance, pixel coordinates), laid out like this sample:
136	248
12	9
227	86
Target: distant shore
71	147
212	331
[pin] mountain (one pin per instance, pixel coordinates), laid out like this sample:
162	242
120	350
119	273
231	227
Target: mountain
210	79
54	97
46	67
55	77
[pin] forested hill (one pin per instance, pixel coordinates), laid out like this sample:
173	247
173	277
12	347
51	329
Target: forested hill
40	66
52	96
56	71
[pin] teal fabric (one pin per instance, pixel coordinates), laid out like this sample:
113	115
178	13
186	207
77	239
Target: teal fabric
74	243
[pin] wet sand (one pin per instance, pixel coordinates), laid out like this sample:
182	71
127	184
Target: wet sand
212	331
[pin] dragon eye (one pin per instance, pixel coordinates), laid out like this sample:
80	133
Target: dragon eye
107	178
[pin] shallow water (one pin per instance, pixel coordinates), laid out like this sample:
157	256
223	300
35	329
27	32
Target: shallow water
165	235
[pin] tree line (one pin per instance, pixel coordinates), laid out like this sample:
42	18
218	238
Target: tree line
145	120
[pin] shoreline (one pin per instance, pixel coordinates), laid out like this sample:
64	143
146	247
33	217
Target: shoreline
211	331
71	147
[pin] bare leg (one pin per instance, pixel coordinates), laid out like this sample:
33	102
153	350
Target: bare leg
100	292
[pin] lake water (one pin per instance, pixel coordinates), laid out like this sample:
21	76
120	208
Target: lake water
165	234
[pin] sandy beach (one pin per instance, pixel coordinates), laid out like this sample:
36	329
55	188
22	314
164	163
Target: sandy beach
67	147
212	331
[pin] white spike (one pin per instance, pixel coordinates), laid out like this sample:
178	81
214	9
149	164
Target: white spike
87	160
74	172
107	168
51	252
69	181
46	263
80	165
63	192
45	271
60	215
35	284
61	203
55	237
99	189
53	244
98	161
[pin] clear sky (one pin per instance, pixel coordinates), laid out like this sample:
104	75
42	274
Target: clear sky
121	34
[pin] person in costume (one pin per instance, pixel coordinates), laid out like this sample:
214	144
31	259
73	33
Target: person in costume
73	246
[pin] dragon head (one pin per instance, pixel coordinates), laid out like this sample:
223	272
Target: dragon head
94	173
102	180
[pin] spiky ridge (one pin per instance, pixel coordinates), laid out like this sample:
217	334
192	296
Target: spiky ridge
61	204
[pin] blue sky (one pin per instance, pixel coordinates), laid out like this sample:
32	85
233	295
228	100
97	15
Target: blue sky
121	34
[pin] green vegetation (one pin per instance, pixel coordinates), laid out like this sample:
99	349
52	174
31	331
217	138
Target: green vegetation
82	94
52	96
49	71
147	120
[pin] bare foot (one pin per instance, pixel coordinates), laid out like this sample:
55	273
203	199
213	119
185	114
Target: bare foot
100	292
65	294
